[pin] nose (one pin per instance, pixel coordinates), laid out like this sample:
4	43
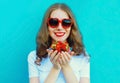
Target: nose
59	26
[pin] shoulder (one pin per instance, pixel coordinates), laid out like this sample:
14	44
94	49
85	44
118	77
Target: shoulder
32	56
82	58
86	57
79	61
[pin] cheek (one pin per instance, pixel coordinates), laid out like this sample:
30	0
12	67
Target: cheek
68	31
51	31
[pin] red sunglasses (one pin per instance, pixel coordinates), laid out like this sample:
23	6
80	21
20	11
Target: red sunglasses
54	22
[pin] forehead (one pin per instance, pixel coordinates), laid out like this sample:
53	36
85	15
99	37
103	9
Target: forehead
58	13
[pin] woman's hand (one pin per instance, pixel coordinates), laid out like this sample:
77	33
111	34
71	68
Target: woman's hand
54	55
66	68
65	58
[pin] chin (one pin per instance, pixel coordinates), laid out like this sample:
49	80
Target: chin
60	40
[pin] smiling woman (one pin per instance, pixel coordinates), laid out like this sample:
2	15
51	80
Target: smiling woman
60	56
61	30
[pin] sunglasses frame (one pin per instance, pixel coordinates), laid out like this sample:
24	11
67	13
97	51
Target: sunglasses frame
60	21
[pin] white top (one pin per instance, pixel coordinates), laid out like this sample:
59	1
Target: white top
79	64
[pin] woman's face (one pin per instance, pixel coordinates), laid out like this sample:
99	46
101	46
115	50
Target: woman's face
59	33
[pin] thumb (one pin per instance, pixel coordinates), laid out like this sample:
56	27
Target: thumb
72	53
47	50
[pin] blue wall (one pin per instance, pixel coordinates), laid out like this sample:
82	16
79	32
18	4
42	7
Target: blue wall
99	22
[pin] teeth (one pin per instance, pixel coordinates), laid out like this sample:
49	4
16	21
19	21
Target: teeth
59	33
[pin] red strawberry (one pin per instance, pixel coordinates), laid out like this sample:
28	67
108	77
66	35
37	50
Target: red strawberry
60	46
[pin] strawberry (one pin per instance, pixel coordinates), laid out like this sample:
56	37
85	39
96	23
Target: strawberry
60	46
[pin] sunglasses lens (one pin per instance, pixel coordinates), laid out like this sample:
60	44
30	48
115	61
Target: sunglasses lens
66	23
53	22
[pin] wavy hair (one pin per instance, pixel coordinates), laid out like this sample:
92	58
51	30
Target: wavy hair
43	39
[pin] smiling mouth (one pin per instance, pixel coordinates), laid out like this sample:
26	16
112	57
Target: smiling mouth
59	34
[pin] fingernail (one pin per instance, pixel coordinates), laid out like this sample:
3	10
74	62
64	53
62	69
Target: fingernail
50	48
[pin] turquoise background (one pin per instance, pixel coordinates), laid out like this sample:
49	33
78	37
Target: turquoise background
99	22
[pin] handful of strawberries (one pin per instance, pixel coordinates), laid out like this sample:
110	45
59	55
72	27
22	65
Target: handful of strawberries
60	46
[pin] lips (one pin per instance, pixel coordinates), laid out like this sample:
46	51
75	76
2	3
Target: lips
59	34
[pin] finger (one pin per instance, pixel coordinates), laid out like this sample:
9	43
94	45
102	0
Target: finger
63	59
49	52
56	57
60	61
68	55
48	49
53	55
72	53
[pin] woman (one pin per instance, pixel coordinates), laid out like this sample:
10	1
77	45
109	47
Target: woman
60	56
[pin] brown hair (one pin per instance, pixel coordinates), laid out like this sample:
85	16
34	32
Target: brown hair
44	40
